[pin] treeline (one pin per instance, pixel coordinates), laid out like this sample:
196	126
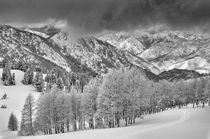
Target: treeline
42	78
117	99
45	81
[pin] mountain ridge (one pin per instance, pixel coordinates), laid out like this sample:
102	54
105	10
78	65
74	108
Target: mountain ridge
93	55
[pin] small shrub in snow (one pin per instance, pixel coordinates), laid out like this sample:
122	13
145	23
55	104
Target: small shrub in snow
3	106
4	96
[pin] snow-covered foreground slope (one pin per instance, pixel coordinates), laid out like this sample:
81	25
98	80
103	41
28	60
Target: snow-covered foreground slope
16	98
185	123
196	127
173	124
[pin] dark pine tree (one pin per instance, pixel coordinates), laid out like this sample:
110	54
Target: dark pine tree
59	83
39	81
28	76
13	123
7	77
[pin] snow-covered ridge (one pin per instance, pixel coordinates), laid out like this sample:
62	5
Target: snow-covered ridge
29	47
151	50
198	64
164	49
37	33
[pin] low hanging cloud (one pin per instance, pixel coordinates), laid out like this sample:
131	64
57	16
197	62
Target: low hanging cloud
98	15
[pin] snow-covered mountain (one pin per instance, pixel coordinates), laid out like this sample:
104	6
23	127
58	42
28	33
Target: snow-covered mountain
45	31
154	51
166	50
87	55
98	54
22	46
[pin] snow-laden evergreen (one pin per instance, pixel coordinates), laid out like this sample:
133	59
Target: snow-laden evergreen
13	123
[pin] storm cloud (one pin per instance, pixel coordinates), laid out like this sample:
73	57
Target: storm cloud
97	15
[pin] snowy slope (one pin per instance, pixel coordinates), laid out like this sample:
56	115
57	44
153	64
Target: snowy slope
100	55
22	46
199	64
125	41
151	122
165	49
156	125
181	50
16	98
37	33
173	124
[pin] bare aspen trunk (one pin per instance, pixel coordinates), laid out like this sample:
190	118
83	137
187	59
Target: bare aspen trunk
126	121
67	125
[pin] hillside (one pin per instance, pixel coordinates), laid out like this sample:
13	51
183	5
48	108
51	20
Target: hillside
153	51
25	47
16	98
162	124
165	55
165	49
88	55
169	124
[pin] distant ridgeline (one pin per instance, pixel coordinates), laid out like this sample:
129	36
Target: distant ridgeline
174	75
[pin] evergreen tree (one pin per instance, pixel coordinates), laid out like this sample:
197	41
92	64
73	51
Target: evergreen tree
13	79
39	82
26	127
47	77
4	96
28	77
59	83
7	76
13	123
53	76
51	79
5	71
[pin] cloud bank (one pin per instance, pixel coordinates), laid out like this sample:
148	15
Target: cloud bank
98	15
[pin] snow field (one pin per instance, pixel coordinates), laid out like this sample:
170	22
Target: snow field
16	98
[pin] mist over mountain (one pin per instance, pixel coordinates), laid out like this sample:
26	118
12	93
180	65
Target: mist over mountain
98	15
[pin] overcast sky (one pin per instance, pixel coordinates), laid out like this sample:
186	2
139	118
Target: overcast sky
97	15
